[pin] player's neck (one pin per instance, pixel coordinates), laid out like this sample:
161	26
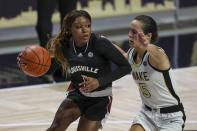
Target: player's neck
140	53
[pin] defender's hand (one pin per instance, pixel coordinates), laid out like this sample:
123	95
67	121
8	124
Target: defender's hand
141	39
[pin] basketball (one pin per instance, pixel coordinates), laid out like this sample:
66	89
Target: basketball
34	61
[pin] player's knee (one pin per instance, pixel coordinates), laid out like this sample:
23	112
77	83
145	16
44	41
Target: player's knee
53	127
136	127
69	110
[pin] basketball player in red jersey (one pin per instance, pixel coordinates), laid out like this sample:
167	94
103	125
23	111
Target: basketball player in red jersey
161	109
89	96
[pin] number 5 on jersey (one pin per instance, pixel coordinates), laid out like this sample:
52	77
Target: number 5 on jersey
144	91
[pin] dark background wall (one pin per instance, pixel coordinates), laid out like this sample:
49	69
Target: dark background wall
12	8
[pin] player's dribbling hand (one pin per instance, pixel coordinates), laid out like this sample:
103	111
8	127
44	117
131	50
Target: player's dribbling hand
89	84
19	59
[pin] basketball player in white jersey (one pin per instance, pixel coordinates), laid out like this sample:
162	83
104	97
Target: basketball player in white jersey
161	108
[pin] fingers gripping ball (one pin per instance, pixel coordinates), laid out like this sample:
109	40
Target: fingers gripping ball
34	61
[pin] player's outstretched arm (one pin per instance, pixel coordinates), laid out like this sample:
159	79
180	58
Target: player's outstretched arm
121	51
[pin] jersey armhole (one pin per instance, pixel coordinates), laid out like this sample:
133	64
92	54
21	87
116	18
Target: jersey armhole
156	68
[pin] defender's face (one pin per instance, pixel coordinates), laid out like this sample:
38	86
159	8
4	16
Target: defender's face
81	30
135	27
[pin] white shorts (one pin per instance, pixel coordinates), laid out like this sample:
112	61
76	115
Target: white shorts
156	121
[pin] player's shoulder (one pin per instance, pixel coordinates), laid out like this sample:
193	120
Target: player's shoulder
99	40
100	43
98	37
158	48
160	60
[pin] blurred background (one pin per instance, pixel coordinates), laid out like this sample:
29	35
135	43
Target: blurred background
177	20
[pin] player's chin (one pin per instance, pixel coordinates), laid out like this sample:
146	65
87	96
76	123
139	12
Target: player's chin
84	40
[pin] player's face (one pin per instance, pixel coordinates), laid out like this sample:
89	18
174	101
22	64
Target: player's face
81	31
135	27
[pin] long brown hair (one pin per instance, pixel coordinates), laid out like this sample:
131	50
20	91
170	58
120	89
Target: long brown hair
55	45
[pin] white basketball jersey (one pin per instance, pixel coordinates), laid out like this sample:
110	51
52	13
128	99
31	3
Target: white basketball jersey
157	88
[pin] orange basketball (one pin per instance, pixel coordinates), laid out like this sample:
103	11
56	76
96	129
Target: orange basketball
34	61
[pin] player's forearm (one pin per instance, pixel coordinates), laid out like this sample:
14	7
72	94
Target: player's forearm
116	74
121	51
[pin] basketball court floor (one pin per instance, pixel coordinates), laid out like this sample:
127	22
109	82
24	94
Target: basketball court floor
32	108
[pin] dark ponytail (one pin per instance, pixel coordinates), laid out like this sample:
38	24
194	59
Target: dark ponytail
149	26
